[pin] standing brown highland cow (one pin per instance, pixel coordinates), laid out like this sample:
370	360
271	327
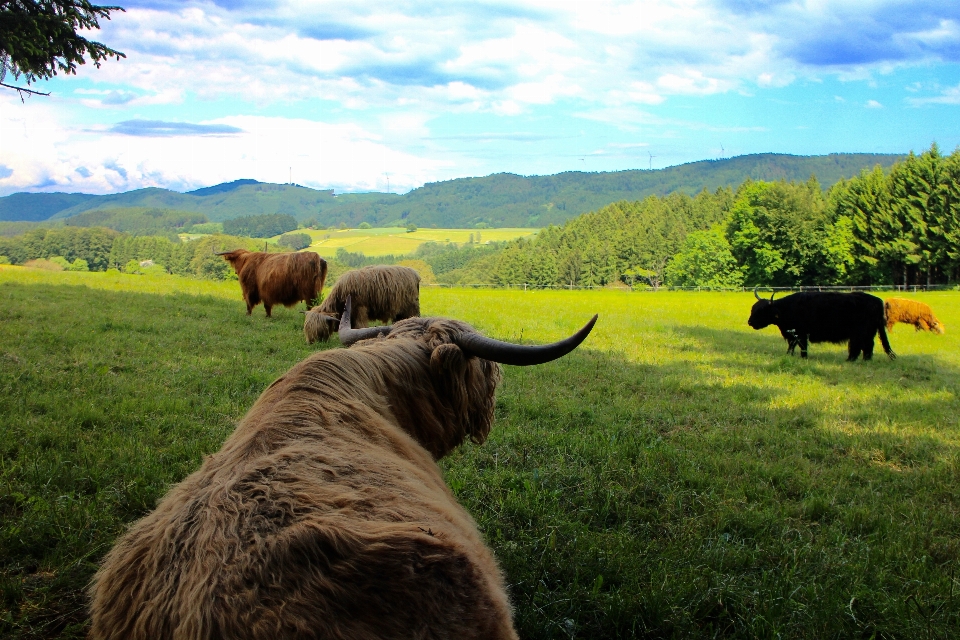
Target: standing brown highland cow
384	293
324	514
918	314
277	278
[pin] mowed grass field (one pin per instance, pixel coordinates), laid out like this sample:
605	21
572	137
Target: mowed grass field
677	476
396	241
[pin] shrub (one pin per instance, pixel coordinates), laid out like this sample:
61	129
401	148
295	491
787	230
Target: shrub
365	225
4	260
154	270
42	263
426	272
260	226
295	241
206	227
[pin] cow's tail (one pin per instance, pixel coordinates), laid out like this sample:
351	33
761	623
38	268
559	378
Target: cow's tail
886	343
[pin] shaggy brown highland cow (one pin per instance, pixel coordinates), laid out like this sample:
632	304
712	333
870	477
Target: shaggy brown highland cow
919	314
277	278
384	293
324	514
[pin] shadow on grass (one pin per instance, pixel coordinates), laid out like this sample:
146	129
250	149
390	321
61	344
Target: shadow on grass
734	492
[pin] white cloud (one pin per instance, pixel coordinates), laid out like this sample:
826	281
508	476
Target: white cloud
950	95
873	104
392	70
44	154
502	57
690	83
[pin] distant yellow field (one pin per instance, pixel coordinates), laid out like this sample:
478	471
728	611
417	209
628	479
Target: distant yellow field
396	240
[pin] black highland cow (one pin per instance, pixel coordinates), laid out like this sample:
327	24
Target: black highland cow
812	316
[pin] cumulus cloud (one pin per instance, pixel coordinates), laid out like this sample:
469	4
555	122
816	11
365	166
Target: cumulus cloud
41	153
373	80
950	95
503	57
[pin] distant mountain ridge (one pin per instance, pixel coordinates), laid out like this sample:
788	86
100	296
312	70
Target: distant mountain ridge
498	200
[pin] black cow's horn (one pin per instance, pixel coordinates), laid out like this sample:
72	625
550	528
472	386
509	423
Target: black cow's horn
521	355
757	295
348	335
772	293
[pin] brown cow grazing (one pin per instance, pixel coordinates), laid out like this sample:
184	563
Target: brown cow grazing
384	293
277	278
324	514
918	314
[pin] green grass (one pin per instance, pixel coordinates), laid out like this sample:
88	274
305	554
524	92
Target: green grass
677	476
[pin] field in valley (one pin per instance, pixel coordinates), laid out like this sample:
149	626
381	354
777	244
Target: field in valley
676	476
397	241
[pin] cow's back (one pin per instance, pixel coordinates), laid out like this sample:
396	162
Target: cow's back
833	317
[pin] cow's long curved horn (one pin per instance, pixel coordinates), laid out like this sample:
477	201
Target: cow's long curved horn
348	335
757	295
518	354
772	293
222	253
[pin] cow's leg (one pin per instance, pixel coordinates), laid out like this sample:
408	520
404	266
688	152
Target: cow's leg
802	338
403	315
361	320
791	337
267	307
252	296
853	349
868	347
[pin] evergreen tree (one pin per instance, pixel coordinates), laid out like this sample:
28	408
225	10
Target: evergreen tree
947	223
40	38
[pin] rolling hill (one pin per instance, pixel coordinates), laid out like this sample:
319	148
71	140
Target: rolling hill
499	200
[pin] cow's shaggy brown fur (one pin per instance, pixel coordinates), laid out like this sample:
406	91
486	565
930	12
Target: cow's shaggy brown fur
919	314
384	293
324	514
277	278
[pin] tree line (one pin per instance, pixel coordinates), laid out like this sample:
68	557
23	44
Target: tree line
878	228
900	226
101	249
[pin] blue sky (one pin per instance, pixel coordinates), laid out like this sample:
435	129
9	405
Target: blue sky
355	95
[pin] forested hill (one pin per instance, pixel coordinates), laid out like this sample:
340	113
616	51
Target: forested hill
500	200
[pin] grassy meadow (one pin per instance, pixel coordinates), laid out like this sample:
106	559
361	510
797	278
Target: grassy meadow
397	241
677	476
